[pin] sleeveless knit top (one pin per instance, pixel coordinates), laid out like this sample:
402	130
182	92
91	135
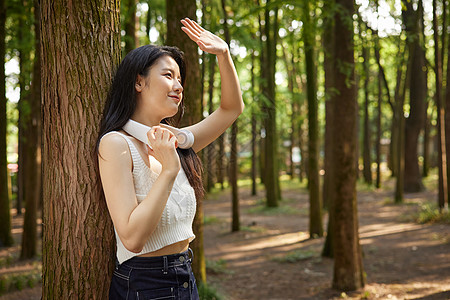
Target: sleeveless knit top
176	220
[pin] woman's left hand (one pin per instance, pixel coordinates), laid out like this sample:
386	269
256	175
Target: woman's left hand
205	40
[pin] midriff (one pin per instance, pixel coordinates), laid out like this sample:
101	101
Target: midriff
169	249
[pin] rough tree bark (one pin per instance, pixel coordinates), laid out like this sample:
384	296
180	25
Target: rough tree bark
80	47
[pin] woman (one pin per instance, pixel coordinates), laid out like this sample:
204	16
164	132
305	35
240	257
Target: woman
151	191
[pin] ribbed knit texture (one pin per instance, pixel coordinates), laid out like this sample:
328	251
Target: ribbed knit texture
176	220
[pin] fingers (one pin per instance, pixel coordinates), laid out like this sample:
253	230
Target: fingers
192	25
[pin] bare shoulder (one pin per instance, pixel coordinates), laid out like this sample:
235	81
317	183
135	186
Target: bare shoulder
114	147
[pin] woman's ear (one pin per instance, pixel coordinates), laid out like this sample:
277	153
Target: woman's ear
139	83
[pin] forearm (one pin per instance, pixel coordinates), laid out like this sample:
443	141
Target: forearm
231	96
145	217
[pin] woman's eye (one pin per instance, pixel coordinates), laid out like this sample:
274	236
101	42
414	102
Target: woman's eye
168	75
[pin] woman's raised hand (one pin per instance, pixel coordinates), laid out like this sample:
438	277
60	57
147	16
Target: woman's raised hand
164	144
205	40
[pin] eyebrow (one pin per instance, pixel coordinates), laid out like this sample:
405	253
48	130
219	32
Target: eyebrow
168	69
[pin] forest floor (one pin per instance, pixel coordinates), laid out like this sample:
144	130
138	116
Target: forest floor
272	257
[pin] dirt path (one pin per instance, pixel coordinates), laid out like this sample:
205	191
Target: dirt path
402	259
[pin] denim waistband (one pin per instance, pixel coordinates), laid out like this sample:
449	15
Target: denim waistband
155	262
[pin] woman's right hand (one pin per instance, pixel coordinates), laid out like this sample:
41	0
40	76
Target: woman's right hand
164	143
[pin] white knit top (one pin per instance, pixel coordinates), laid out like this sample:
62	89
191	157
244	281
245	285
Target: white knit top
176	220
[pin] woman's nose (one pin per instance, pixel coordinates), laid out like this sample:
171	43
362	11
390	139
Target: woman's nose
178	87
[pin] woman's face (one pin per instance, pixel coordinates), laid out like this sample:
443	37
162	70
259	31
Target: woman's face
160	92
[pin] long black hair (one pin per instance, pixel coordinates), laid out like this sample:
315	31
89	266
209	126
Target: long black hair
121	103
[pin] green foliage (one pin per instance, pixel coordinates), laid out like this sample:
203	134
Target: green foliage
7	260
217	266
17	281
211	220
208	292
429	213
296	256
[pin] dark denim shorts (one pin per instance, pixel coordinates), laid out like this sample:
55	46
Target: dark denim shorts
162	277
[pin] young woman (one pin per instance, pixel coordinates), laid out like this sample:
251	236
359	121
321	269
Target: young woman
151	191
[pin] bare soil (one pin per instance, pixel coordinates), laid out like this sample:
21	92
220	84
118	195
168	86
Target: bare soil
402	259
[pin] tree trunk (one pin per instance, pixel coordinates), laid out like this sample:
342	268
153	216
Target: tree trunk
177	10
78	245
447	103
5	213
400	94
417	91
367	162
348	269
443	192
270	143
33	174
315	203
233	165
328	189
131	40
211	147
254	128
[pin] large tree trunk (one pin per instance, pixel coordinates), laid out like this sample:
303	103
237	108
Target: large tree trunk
33	129
177	10
5	214
77	67
348	269
417	91
315	203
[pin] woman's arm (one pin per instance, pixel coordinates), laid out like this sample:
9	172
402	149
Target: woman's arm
231	103
135	223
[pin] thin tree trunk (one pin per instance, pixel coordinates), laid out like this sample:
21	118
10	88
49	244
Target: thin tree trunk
233	165
315	203
5	213
271	156
447	103
442	192
211	147
33	175
328	187
78	245
254	128
177	10
367	162
131	40
348	269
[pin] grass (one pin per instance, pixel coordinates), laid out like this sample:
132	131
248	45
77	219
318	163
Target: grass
429	213
208	292
6	261
217	267
13	282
